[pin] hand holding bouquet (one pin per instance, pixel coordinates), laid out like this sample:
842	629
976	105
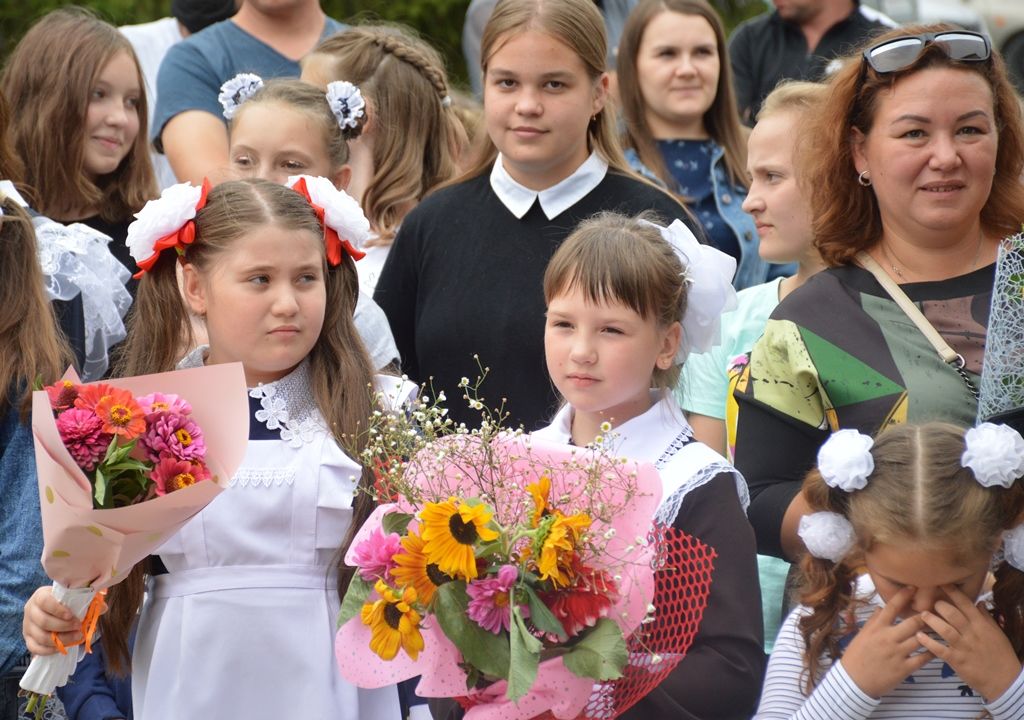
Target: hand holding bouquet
121	467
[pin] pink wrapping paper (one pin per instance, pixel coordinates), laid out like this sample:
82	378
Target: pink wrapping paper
83	546
556	689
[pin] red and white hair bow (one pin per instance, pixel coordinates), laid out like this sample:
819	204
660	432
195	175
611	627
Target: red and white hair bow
345	226
167	222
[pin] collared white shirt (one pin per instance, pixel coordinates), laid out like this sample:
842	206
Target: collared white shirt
554	200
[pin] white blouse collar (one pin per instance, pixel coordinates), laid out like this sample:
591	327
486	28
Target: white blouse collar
553	200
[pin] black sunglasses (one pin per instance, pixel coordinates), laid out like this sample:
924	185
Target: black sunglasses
902	52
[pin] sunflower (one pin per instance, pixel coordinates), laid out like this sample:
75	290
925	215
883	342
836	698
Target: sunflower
540	491
450	531
558	547
412	568
393	622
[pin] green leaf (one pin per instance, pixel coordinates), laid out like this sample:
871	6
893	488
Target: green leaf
99	489
601	654
355	597
396	522
484	650
542	618
525	657
37	383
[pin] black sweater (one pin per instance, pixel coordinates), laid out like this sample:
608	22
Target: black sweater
465	277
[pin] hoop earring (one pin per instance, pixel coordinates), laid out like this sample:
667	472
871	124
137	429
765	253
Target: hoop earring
864	180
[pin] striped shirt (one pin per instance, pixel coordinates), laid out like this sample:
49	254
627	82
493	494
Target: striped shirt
935	692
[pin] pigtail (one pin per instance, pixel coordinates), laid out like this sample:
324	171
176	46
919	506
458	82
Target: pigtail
826	587
123	603
1007	605
159	326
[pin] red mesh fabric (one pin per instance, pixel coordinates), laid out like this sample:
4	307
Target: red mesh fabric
683	569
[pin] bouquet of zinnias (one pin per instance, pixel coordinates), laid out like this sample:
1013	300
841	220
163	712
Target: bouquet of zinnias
121	467
517	574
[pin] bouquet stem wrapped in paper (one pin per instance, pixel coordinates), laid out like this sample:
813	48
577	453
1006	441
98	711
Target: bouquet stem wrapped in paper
121	467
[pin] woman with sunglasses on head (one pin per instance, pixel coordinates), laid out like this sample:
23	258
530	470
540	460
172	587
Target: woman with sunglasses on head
916	162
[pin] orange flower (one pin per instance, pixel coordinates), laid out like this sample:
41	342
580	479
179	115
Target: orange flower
540	491
558	548
89	396
120	414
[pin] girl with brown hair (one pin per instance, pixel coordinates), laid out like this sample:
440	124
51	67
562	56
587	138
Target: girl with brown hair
912	588
681	122
252	584
464	276
81	102
412	138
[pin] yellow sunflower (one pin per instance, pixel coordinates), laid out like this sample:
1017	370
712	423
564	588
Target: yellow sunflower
412	568
539	491
450	531
558	546
393	622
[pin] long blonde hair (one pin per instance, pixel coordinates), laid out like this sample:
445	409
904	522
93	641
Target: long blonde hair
340	368
416	134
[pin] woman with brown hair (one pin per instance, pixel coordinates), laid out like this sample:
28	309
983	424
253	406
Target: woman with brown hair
464	276
681	122
916	161
81	102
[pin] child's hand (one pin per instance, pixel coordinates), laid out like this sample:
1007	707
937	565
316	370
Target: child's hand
879	658
43	615
976	647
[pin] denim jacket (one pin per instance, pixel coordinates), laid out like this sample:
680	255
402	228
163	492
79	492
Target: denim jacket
21	531
752	269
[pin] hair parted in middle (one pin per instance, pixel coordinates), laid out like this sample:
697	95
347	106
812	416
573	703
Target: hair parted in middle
846	216
416	134
612	258
918	494
721	120
49	78
305	98
341	371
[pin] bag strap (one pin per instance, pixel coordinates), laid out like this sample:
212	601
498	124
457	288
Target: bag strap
949	355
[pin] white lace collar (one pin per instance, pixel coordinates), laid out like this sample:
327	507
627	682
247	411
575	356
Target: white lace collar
660	436
287	404
553	200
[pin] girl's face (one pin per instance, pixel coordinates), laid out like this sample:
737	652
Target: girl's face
272	141
894	567
601	357
112	116
264	300
779	207
677	66
538	102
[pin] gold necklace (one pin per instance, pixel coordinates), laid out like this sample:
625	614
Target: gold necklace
892	258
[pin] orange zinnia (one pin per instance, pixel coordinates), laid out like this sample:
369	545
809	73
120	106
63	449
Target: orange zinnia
120	414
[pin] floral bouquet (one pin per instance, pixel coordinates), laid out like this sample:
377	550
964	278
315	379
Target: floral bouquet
515	573
122	467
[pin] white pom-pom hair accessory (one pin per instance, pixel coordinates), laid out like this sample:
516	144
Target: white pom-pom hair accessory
346	103
845	461
994	453
827	535
234	92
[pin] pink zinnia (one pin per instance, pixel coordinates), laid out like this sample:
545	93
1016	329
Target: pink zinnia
173	435
375	555
83	436
489	599
159	402
171	474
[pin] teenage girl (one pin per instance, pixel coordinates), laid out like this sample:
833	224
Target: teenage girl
623	310
927	631
681	124
241	624
287	127
412	137
464	276
81	102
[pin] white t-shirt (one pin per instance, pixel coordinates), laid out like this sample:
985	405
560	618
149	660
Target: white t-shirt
151	41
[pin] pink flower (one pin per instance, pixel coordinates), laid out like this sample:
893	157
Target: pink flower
158	402
82	434
489	599
375	555
171	474
174	435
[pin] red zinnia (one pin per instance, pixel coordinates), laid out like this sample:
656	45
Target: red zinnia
587	600
120	414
